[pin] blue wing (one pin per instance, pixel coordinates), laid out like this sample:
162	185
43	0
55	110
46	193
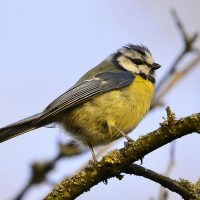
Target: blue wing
79	93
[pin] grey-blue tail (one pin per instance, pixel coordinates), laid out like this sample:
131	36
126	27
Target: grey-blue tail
19	127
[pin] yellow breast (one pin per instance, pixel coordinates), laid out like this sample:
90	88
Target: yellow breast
93	121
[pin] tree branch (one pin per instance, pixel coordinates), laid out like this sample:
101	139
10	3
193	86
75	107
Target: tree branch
165	181
117	160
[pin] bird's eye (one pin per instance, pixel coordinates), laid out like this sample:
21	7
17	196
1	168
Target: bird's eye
137	61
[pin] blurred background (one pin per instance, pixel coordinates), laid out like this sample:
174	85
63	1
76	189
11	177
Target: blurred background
45	46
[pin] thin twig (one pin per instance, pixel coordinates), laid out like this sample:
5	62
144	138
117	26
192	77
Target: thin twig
24	190
163	192
39	170
176	77
165	181
188	47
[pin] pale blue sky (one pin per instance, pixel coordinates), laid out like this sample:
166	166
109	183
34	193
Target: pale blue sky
45	46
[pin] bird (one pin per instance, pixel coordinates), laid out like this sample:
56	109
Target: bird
105	104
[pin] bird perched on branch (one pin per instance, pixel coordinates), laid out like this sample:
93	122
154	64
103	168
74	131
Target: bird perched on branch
105	104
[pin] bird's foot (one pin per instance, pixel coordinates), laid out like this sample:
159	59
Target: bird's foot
127	143
141	161
92	162
129	140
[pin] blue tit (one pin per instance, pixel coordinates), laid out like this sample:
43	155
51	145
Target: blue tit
105	104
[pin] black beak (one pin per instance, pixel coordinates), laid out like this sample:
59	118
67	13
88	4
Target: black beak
155	66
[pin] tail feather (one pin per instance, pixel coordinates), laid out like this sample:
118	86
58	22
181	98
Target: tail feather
19	128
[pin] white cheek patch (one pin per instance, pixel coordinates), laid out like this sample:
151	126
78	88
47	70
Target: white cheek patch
127	64
144	69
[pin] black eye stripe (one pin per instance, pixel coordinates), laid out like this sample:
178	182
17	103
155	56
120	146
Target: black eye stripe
138	61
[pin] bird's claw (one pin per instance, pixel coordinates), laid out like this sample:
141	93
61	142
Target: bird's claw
127	143
92	162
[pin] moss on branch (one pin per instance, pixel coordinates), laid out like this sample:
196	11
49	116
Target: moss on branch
116	161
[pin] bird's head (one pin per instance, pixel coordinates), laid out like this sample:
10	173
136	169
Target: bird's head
136	59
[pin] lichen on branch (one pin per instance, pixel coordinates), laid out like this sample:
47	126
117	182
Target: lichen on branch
117	160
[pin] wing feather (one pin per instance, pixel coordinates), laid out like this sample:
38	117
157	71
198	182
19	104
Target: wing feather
79	93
